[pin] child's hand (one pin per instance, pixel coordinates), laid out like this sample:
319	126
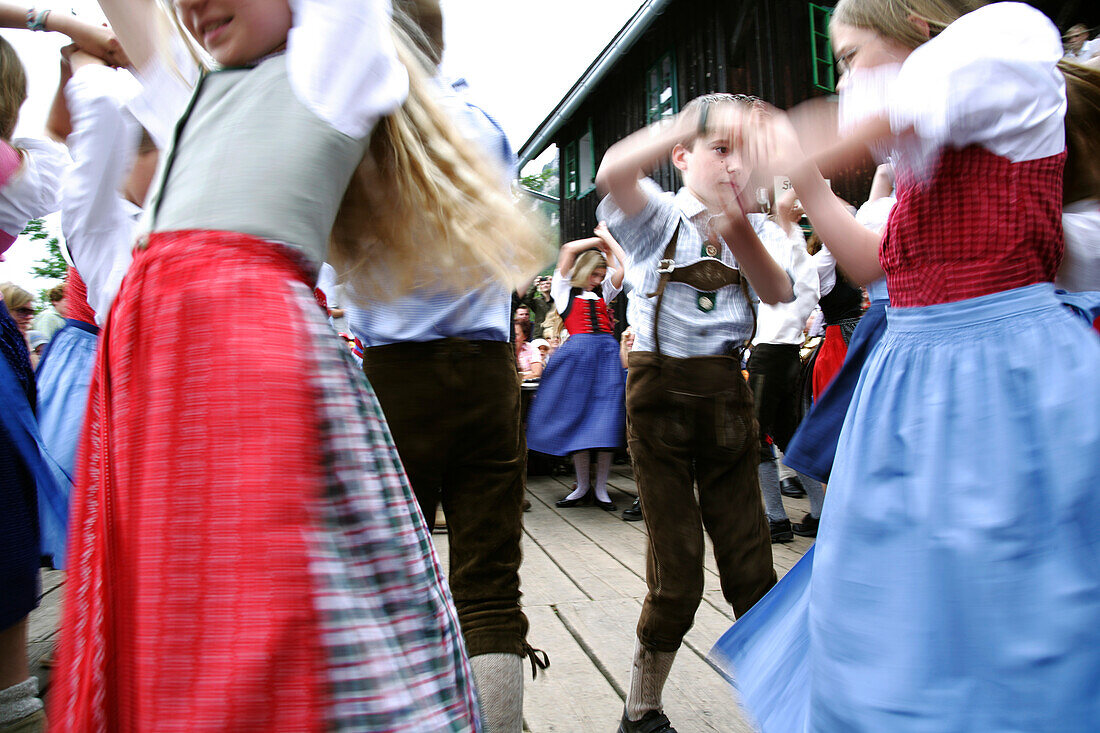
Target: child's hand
771	144
99	41
605	238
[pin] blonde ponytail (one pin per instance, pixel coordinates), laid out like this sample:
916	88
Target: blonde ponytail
425	208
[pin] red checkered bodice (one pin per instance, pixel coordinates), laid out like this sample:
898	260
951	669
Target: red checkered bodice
76	294
980	224
586	315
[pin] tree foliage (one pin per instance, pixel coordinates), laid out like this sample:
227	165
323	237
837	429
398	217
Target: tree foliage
53	265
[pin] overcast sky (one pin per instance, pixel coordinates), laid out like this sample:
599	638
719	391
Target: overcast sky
520	57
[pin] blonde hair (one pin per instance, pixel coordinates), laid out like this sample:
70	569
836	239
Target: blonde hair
424	208
13	89
15	297
552	325
587	263
892	19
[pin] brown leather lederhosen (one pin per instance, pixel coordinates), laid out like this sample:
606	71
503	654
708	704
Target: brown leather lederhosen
690	422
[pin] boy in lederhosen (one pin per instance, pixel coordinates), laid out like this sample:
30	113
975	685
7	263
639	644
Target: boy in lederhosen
689	411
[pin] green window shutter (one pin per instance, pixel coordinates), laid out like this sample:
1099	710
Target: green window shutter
820	48
662	97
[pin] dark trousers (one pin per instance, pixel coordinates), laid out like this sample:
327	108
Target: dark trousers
774	374
690	422
453	409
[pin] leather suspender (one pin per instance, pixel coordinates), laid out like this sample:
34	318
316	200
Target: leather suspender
706	275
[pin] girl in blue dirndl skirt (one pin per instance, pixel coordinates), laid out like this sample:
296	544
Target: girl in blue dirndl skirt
955	585
579	405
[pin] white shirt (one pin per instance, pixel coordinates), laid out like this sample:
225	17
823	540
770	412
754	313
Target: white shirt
1080	268
560	288
990	79
98	223
33	191
782	323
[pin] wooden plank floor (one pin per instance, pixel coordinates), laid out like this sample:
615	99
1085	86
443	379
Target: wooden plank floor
583	579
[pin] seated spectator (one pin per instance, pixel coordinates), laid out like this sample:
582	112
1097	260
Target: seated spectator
528	361
544	349
52	318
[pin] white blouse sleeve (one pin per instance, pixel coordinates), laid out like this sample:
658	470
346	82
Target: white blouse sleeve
96	222
991	79
609	290
560	289
34	190
342	62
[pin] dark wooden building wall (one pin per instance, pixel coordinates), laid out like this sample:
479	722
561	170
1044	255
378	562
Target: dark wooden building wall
759	47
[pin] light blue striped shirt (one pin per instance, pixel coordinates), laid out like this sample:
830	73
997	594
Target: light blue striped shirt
480	315
686	328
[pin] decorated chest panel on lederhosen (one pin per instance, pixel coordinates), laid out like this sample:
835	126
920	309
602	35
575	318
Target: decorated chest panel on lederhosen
706	276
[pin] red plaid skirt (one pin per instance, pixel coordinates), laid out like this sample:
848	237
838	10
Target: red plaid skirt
201	491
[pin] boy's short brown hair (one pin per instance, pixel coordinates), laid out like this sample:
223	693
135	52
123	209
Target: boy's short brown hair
709	100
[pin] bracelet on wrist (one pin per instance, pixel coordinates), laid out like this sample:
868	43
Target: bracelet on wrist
36	20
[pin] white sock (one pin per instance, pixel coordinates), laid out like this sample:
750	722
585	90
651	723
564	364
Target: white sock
19	701
647	680
603	470
581	462
499	679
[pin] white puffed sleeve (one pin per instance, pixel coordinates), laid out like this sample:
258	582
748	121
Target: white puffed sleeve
342	63
991	79
35	190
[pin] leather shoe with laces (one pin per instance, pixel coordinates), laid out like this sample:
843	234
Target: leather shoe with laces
652	722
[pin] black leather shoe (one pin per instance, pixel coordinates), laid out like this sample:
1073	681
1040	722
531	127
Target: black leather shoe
634	513
781	530
566	503
807	527
607	506
651	722
792	487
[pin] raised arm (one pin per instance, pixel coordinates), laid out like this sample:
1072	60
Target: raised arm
772	142
137	24
614	253
59	123
95	39
628	160
569	251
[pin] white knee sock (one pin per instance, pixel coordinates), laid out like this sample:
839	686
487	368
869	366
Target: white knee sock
647	679
19	701
603	470
581	462
499	679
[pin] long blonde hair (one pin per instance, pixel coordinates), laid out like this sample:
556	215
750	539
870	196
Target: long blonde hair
587	263
424	208
13	89
892	19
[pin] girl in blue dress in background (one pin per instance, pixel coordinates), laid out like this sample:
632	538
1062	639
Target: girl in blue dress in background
579	405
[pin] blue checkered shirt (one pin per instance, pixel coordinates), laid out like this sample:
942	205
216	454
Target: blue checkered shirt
686	328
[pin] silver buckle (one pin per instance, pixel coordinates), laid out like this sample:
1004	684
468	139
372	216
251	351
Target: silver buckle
665	267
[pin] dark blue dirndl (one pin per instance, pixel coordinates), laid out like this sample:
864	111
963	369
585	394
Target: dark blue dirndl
580	402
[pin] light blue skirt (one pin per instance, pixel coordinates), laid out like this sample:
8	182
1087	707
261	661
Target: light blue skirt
63	379
955	584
